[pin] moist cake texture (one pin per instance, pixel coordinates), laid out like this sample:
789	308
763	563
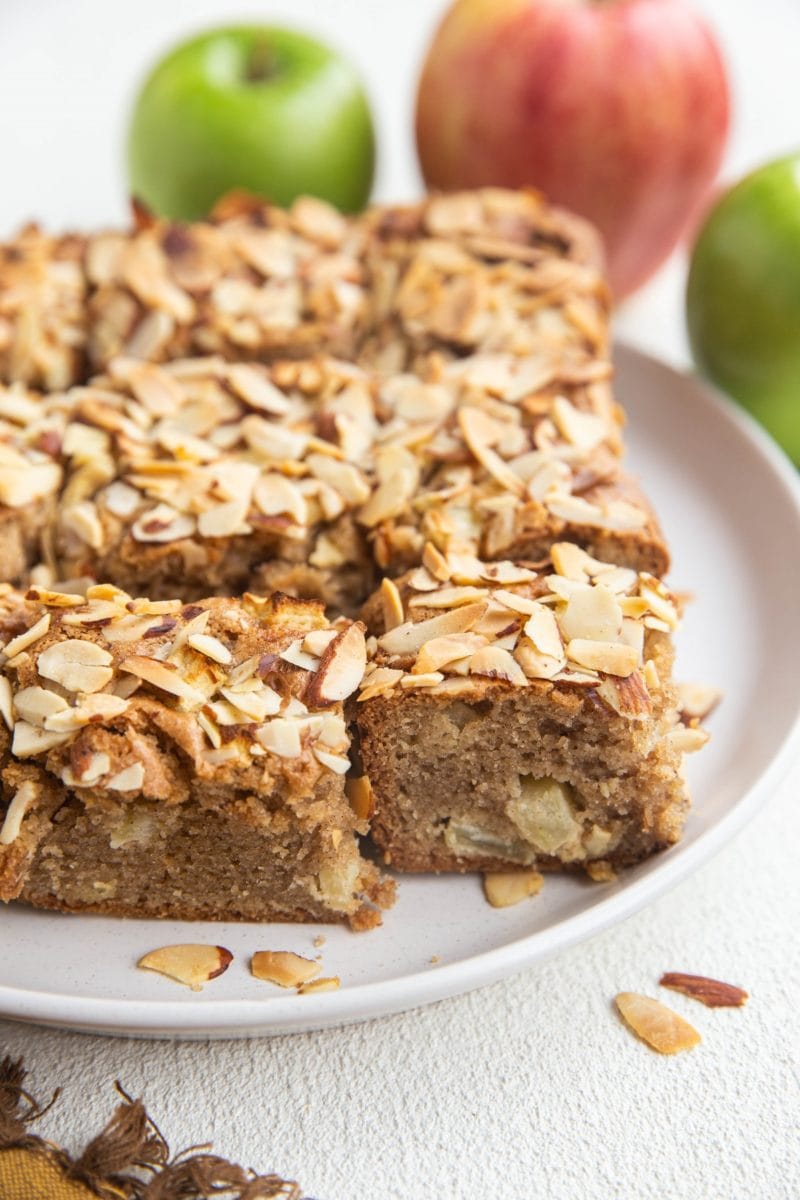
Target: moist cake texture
523	714
167	760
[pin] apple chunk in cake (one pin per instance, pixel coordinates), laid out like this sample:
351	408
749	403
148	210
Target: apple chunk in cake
185	761
522	714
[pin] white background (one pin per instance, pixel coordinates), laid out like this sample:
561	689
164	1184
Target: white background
530	1087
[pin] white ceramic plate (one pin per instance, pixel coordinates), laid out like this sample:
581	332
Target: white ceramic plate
731	508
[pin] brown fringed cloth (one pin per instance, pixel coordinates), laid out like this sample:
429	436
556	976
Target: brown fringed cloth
128	1160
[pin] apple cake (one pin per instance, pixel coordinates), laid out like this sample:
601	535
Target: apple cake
522	714
161	759
305	407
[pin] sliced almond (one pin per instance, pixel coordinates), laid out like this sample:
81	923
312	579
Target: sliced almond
190	963
711	992
504	888
361	796
130	779
687	740
36	704
658	1026
164	676
696	701
282	737
592	613
496	663
77	665
210	647
162	524
409	638
283	967
612	658
331	983
25	795
26	639
438	652
480	432
392	605
341	668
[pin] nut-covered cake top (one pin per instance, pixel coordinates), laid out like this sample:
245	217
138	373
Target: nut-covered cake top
572	621
239	685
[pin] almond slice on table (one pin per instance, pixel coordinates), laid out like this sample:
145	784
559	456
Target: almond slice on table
711	992
190	963
661	1028
504	888
283	967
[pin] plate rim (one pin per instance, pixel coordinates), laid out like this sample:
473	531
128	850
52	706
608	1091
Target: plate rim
282	1015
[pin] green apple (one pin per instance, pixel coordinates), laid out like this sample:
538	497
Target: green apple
267	110
743	298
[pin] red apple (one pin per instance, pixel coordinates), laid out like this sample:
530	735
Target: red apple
618	109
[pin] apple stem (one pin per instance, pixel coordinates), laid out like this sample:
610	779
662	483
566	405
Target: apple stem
261	64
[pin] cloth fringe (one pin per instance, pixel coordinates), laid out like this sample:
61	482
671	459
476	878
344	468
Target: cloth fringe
130	1159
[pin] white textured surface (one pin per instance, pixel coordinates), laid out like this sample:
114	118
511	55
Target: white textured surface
530	1087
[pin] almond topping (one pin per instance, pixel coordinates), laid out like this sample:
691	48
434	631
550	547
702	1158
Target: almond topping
190	963
77	665
341	668
612	658
658	1026
711	992
27	638
496	663
130	779
504	888
392	605
283	967
211	647
22	800
409	638
163	676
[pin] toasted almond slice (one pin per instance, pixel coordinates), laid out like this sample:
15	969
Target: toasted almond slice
28	740
27	638
210	647
504	888
438	652
542	629
77	665
341	668
282	737
496	663
6	702
36	704
592	613
329	984
190	963
162	524
479	430
435	562
409	638
283	967
658	1026
628	697
361	796
337	763
711	992
22	800
54	599
130	779
614	659
687	740
449	597
317	641
581	429
164	676
697	700
392	605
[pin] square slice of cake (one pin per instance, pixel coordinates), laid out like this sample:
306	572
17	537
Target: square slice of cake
184	761
522	714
